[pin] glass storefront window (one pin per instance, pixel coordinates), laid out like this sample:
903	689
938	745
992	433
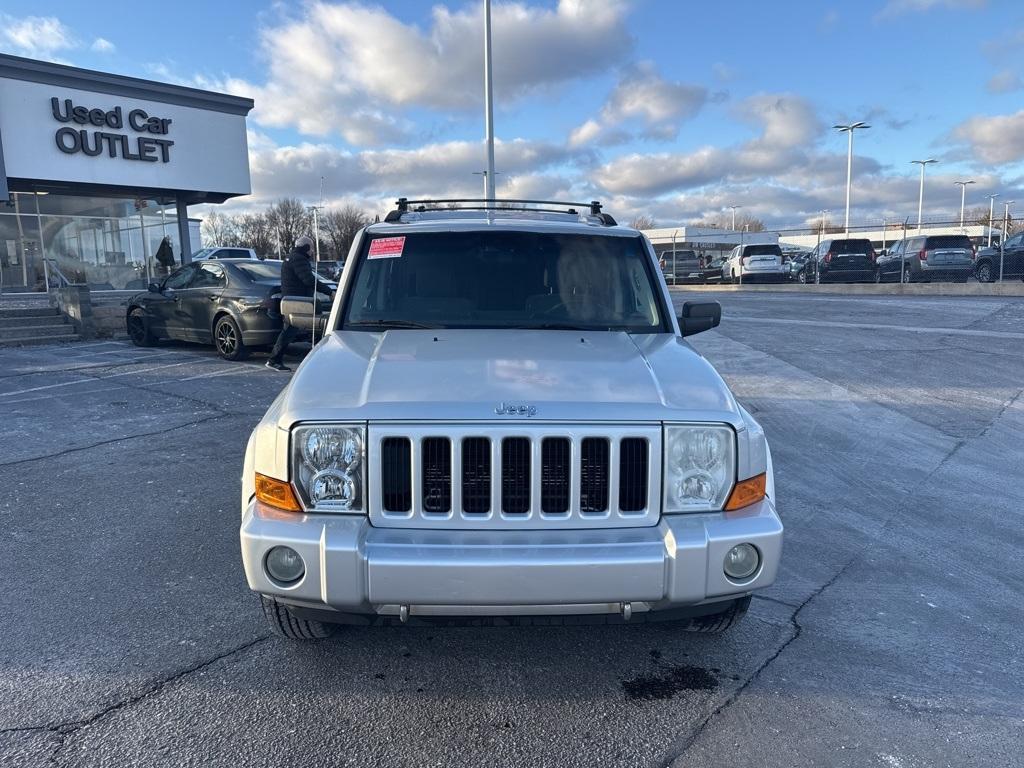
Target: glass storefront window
109	243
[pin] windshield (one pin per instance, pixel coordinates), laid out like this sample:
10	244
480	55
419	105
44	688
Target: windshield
852	245
762	250
949	241
505	280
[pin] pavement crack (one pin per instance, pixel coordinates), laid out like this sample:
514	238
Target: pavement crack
794	618
112	441
776	600
67	728
798	629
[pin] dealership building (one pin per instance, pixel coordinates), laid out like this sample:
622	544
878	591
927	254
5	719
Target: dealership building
96	170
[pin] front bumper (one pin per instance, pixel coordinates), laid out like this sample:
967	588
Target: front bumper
353	567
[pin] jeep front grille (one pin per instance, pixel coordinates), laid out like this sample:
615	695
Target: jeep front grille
505	475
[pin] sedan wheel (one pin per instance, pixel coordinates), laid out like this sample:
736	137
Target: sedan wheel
228	340
138	329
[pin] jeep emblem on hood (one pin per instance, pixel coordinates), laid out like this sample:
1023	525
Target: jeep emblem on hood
508	409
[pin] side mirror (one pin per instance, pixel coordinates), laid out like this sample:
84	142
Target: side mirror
699	316
153	287
298	311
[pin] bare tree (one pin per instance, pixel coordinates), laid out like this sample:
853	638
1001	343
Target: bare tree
254	231
218	229
744	222
288	220
825	226
340	225
642	221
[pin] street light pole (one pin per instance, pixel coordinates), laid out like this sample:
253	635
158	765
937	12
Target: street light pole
991	202
849	129
1002	240
489	103
920	191
963	198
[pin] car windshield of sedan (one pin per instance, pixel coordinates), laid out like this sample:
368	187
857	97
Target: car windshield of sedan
505	280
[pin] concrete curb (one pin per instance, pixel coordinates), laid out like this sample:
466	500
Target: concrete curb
1008	288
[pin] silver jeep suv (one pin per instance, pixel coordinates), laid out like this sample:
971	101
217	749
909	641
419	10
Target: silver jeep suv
503	420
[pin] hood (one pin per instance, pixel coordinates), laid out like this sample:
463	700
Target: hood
465	375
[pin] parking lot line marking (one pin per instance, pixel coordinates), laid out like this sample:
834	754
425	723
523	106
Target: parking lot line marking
878	327
92	379
236	369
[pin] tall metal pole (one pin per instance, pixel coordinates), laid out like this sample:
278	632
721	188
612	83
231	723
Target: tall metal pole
488	103
734	207
1002	240
991	204
963	198
849	129
920	191
849	177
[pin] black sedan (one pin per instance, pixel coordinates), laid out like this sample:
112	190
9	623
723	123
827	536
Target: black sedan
710	273
230	303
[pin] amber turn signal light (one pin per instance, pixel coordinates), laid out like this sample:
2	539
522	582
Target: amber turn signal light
276	493
747	492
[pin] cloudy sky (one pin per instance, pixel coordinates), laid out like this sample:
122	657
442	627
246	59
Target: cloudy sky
670	108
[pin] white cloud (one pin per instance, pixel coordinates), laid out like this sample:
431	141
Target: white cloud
897	7
435	170
644	98
102	45
995	139
344	69
38	37
1006	81
788	124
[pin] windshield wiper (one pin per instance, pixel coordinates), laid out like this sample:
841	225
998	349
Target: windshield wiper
386	324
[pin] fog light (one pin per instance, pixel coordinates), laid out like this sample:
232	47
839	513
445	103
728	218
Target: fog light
742	562
285	565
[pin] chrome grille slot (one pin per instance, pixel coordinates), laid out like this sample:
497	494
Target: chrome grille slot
396	474
555	475
476	475
594	475
514	475
632	474
437	474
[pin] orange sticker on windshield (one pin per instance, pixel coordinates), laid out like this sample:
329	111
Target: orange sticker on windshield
387	248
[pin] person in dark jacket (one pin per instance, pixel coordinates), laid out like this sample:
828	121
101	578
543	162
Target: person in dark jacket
297	279
165	255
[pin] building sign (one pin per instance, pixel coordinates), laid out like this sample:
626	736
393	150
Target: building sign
145	147
68	135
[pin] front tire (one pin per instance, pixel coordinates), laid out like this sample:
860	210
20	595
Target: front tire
878	276
227	338
716	623
984	272
138	329
905	277
284	624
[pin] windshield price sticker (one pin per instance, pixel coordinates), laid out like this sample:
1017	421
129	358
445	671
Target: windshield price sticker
387	247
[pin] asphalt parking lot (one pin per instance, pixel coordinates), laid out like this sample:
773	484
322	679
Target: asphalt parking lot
892	637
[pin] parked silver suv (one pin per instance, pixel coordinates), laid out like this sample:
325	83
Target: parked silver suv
503	420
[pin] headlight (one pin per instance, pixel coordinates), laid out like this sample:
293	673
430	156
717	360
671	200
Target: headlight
700	466
327	464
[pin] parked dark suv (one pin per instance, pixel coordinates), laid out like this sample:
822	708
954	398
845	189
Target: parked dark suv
928	257
987	266
846	260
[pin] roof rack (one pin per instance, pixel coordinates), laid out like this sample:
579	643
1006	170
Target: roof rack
404	205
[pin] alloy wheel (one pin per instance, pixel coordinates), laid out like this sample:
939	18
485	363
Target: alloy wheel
227	341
